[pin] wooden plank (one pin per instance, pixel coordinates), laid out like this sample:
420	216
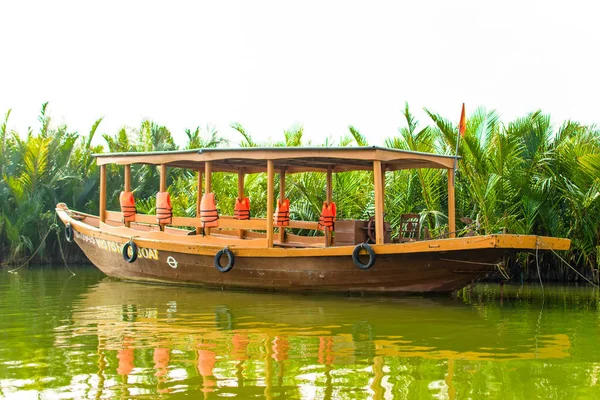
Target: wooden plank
395	159
309	240
270	194
225	221
186	221
304	225
350	232
248	234
297	165
115	216
451	205
530	242
183	239
102	211
379	207
139	218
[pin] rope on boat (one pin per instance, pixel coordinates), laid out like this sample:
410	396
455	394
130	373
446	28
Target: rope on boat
499	266
537	264
540	241
62	254
54	227
502	269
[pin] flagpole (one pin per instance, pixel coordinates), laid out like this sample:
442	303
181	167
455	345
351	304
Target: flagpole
456	153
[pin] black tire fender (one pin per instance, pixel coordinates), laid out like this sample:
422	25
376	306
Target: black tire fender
217	260
69	233
356	252
134	251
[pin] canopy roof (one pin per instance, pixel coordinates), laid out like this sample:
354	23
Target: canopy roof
293	159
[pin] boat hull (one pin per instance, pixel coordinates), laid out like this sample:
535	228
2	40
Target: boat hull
395	273
437	266
420	272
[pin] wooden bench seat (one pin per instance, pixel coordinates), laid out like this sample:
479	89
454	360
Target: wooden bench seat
297	245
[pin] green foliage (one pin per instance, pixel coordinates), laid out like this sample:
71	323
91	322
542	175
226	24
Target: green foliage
525	177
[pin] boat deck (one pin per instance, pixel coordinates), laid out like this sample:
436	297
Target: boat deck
249	233
254	243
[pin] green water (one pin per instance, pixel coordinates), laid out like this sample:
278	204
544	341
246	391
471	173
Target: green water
92	337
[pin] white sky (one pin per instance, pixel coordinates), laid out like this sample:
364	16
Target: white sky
271	64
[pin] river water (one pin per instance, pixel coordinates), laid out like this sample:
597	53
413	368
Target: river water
88	336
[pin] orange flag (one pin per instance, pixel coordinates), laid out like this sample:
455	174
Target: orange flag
462	125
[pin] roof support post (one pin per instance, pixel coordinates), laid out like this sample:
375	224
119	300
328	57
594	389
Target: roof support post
127	184
163	185
379	206
383	182
207	184
102	211
270	194
241	195
451	205
207	177
163	177
329	184
127	178
241	176
282	197
329	189
199	200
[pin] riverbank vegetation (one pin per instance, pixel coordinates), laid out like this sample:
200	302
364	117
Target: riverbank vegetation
525	176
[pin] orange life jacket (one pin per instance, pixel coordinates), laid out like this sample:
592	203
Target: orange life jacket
328	215
208	211
282	213
125	357
127	206
280	348
164	210
242	208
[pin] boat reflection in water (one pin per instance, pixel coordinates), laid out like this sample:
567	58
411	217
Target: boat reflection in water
164	340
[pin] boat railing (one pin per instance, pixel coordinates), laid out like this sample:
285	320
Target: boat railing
248	231
171	235
225	222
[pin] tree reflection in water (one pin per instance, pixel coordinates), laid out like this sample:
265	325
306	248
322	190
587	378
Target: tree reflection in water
152	341
292	346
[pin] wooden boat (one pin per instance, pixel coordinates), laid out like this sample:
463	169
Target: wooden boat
262	256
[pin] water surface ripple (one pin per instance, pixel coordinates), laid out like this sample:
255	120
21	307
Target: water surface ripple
92	337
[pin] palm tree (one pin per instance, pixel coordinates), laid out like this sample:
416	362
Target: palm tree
524	177
247	140
195	140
